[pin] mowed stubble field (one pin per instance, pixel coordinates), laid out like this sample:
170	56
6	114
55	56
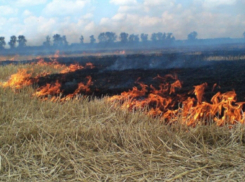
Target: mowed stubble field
90	139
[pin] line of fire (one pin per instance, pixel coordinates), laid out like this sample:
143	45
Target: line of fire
196	89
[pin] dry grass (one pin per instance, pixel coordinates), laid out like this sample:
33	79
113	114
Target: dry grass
84	140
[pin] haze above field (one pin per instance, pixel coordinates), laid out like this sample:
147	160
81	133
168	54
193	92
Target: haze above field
73	18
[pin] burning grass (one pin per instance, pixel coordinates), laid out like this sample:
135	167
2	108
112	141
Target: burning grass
89	139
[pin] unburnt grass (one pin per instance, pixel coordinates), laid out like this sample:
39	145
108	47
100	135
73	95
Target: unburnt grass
90	139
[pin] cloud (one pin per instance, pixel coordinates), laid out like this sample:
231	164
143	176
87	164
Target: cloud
74	18
27	13
173	16
215	3
159	2
7	10
123	2
23	3
65	7
29	2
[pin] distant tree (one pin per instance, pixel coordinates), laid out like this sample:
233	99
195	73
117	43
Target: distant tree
107	37
111	37
22	41
102	38
92	39
136	38
133	38
81	39
47	43
2	42
144	37
124	37
170	37
57	40
244	34
64	41
154	37
192	36
12	42
161	36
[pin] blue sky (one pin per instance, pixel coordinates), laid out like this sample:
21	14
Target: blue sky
38	18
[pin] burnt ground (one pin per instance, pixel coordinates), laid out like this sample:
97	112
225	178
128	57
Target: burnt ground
115	74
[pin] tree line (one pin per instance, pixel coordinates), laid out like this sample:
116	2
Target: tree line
111	37
103	38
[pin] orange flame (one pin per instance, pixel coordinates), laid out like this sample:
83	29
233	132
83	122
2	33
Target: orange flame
19	80
48	89
223	108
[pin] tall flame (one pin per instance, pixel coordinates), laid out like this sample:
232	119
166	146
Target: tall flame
223	108
19	80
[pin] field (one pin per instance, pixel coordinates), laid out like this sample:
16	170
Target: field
52	131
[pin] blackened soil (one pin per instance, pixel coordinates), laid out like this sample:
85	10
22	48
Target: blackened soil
228	75
191	69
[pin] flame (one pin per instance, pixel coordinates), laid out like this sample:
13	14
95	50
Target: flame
81	88
19	80
199	91
24	77
48	89
162	102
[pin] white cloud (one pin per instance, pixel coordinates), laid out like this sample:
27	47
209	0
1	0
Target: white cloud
118	17
169	16
23	3
214	3
159	2
123	2
74	18
7	10
65	7
27	13
88	16
29	2
131	9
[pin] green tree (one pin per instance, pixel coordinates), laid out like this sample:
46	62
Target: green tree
64	40
133	38
124	37
81	39
192	36
154	37
92	39
47	43
12	42
57	40
144	37
2	42
22	41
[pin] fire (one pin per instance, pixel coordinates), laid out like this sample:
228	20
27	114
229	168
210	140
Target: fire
81	88
55	91
162	103
49	89
24	77
19	80
64	69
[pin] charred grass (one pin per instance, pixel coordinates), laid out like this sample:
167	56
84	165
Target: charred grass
92	140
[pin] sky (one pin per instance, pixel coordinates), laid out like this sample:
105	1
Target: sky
36	19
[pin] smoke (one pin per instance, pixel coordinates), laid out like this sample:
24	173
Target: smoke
157	62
